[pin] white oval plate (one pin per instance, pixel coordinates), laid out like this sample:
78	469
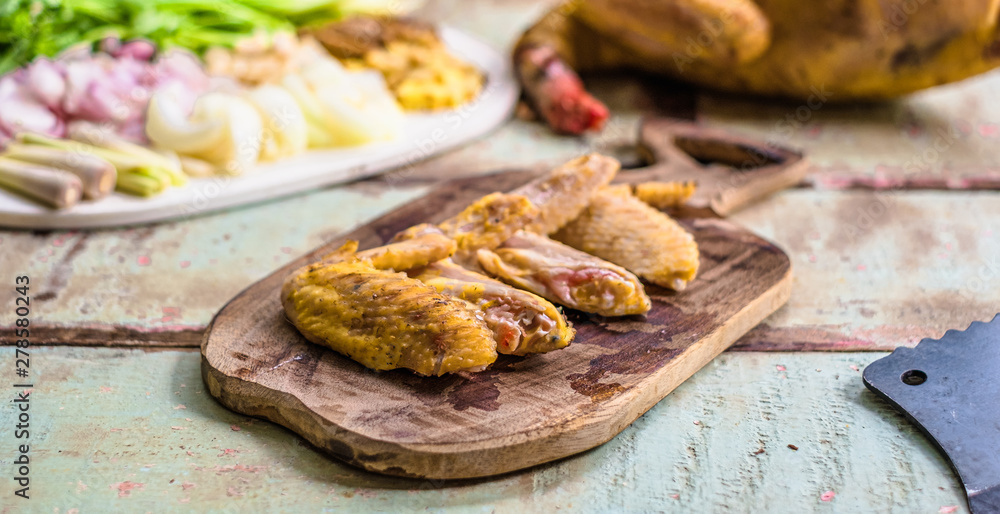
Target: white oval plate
423	135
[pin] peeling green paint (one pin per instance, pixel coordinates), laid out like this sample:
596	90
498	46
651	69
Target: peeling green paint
103	418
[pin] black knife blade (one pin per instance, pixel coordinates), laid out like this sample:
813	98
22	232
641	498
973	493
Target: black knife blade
950	388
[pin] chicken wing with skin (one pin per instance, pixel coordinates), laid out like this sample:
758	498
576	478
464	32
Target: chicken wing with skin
420	250
534	262
522	322
565	275
564	193
386	320
623	229
664	195
486	223
542	205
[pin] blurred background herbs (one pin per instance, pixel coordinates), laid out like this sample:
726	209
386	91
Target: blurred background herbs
31	28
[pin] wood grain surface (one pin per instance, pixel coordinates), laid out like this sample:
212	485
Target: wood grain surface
731	171
913	271
142	420
522	411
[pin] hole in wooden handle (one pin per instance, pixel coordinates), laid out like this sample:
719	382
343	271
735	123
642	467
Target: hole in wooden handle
731	153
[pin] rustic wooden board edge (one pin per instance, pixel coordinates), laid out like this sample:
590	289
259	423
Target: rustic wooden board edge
239	390
522	450
753	169
793	173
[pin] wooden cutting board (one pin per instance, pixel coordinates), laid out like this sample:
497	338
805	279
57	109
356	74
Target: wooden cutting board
522	411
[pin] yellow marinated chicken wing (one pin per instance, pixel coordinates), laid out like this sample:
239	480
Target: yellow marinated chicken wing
415	252
486	223
619	227
564	192
522	322
566	275
386	320
663	195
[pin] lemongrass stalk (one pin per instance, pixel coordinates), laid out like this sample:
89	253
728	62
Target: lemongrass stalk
55	188
96	175
93	135
122	162
156	173
138	185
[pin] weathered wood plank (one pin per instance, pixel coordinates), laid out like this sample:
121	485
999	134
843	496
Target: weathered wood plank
880	269
175	276
504	419
944	138
873	269
120	430
116	336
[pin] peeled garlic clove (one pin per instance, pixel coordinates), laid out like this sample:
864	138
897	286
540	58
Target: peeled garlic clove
168	127
286	132
246	132
239	148
318	135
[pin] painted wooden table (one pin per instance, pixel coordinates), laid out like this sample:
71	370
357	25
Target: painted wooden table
894	237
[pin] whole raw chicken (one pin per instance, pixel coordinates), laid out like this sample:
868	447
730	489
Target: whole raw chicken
816	52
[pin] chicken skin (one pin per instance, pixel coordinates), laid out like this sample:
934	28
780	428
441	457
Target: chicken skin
566	276
522	323
386	320
563	193
623	229
421	303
